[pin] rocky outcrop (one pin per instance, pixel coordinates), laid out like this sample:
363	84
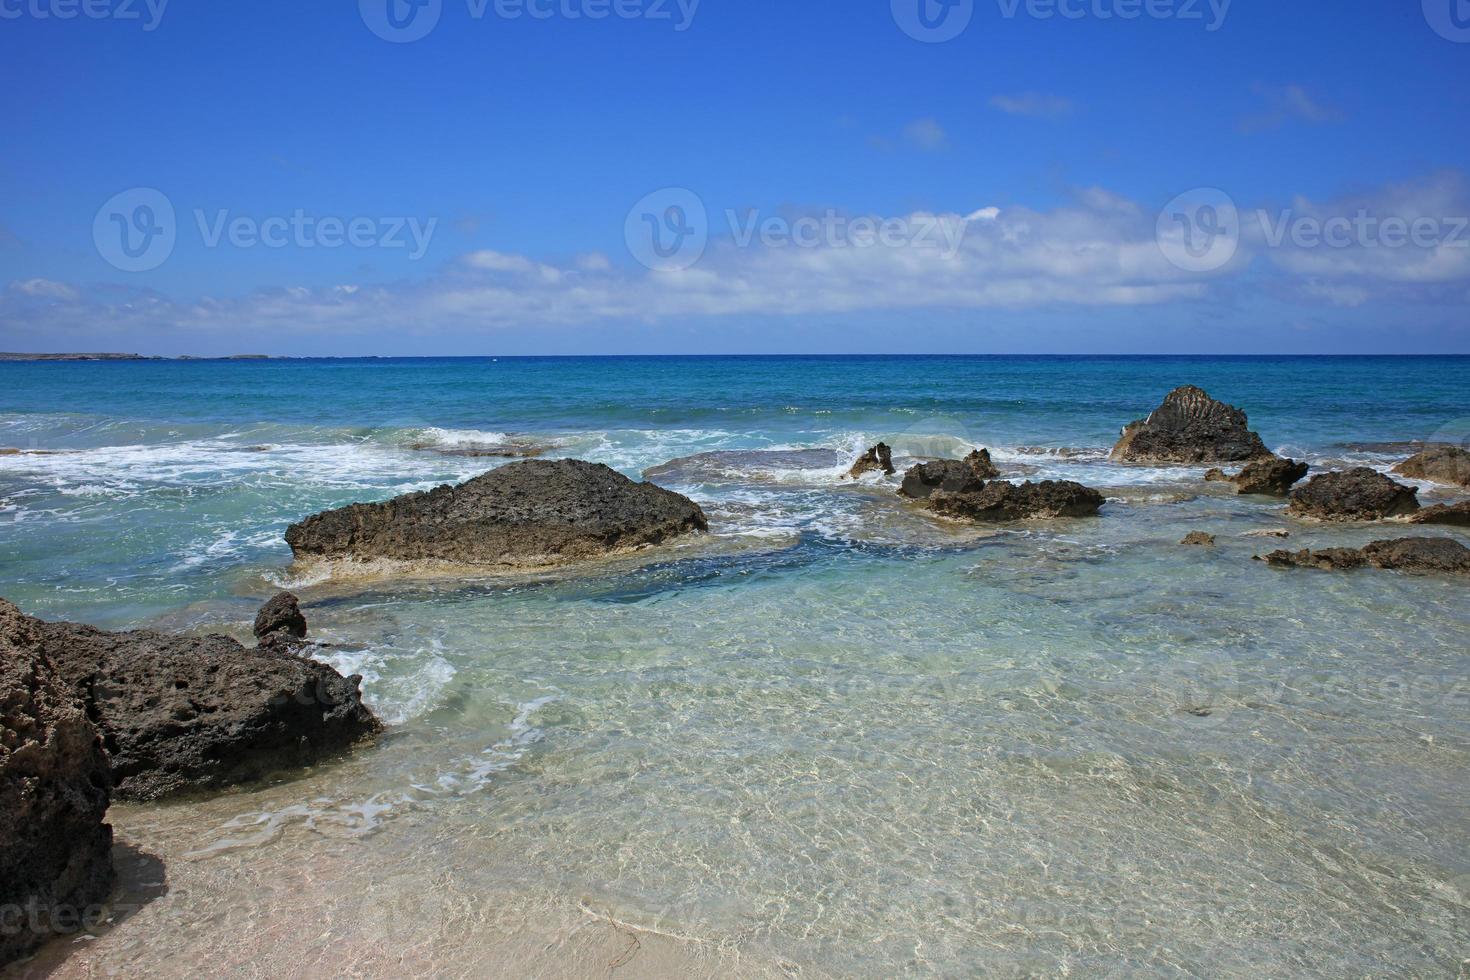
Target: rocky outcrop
281	615
180	713
1273	477
880	457
1438	464
530	514
952	475
1456	515
1002	501
55	851
1403	554
1199	539
1359	494
1190	427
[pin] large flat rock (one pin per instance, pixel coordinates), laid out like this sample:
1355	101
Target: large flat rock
183	713
55	851
536	513
1190	427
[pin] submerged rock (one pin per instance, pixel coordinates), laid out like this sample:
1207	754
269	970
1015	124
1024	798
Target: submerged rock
1217	475
511	450
55	851
282	614
1457	515
1438	464
1273	477
1190	427
1359	494
1402	554
1199	538
880	457
180	713
1002	501
952	475
737	466
527	514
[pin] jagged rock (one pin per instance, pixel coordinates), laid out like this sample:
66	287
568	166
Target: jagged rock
1216	475
282	614
1457	514
880	457
180	713
953	475
1272	477
1199	538
1438	464
1190	427
55	851
529	514
1002	501
1359	494
1402	554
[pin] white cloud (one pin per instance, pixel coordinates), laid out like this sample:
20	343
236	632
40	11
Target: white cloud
1036	105
1285	104
45	289
926	134
1097	252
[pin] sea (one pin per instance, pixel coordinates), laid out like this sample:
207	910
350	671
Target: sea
834	736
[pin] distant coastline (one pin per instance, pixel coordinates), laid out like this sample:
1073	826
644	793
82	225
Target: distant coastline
128	357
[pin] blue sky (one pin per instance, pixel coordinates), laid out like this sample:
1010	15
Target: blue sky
1023	166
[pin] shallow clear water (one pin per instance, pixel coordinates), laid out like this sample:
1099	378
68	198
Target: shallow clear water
833	737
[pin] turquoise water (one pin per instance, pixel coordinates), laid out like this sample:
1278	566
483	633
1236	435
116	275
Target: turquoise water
832	737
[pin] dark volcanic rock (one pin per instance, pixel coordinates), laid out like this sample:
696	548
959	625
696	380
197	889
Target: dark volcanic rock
1402	554
527	514
880	457
1272	477
282	614
953	475
1359	494
1002	501
1190	427
181	713
1457	515
55	851
1438	464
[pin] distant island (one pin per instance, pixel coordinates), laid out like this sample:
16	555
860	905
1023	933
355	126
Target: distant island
76	357
129	357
